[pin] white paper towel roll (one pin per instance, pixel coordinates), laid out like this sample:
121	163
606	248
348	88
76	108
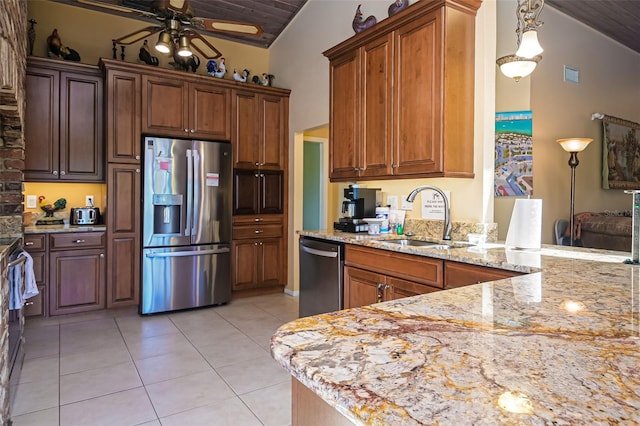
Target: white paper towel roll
525	228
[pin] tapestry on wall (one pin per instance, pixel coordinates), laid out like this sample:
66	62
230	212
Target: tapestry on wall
620	154
513	172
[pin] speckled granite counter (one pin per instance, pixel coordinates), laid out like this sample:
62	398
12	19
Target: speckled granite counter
50	229
559	346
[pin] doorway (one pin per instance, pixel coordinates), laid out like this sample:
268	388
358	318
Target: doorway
313	184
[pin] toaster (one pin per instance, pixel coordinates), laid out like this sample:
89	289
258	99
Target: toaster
85	216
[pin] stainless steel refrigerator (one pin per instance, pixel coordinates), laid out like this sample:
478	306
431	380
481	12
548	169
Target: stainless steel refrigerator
186	245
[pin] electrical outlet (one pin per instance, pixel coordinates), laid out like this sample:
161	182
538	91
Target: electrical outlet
406	205
88	199
392	201
32	202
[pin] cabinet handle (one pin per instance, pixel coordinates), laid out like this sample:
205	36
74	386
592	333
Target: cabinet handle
102	255
137	170
28	243
258	219
379	295
137	157
193	130
62	173
186	130
394	166
55	173
261	175
78	241
257	231
257	175
257	164
28	303
260	243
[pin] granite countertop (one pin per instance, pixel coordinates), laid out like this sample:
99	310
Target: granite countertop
560	345
7	245
50	229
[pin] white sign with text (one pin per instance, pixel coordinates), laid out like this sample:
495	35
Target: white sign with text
433	204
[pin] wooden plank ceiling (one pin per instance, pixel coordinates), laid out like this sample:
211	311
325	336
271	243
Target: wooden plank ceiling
617	19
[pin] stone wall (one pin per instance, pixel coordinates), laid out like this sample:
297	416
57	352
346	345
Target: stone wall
13	61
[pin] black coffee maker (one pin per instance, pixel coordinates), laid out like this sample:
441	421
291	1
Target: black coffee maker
358	204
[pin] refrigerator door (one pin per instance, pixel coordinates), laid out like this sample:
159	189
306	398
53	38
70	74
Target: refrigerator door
185	277
212	193
167	196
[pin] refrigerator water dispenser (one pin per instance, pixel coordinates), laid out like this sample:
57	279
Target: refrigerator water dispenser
167	210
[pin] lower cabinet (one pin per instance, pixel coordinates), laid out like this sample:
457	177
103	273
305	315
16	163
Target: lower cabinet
258	256
458	274
70	270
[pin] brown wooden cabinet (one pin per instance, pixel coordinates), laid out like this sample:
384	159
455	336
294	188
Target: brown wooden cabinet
458	274
123	234
76	272
64	138
260	130
258	258
174	107
37	245
257	192
123	104
402	95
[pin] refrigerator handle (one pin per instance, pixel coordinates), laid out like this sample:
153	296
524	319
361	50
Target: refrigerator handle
189	212
196	184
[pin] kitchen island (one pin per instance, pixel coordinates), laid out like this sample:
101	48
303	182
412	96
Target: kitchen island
559	345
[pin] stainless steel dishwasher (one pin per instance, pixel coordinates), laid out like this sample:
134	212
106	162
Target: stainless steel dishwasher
321	276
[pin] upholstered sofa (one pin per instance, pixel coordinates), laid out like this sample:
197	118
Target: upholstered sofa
606	232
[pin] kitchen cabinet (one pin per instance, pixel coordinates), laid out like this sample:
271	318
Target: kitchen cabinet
258	255
260	130
458	274
401	101
76	272
64	138
36	245
123	106
174	107
257	192
123	234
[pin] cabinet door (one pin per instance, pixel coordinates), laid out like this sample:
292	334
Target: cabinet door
273	135
123	234
271	271
41	131
165	106
344	154
418	101
245	130
461	274
397	288
377	106
35	306
271	192
77	281
81	127
245	264
210	112
123	117
245	192
362	288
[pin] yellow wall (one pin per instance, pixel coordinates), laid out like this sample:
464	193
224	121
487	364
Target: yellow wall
90	34
74	193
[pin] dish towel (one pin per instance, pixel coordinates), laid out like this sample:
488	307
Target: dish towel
15	287
30	286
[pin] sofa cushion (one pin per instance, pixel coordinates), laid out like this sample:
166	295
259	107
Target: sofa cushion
609	225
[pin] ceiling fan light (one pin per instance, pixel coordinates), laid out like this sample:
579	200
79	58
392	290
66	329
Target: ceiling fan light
516	67
164	43
529	46
184	48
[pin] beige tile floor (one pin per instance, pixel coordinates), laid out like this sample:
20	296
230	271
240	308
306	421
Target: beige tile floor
201	367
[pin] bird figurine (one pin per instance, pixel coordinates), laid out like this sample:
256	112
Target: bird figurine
266	79
242	76
146	56
359	24
59	51
397	6
48	208
216	70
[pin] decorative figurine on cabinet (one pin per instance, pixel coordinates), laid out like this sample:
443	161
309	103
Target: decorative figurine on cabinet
397	6
145	55
242	76
266	79
31	35
58	51
216	70
359	24
185	63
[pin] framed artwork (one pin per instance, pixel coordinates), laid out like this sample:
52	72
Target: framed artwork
620	154
513	167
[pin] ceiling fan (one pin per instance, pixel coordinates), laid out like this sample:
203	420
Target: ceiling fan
177	28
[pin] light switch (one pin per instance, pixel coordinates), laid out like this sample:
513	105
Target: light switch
572	75
32	202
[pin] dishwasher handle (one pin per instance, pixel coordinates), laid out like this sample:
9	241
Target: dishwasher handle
319	252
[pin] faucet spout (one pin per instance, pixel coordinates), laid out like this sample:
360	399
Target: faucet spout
446	233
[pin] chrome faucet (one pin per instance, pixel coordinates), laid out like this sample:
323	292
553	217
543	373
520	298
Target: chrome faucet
446	234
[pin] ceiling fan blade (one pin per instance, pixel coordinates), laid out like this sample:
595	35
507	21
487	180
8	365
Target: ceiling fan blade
114	7
218	25
205	48
138	35
182	7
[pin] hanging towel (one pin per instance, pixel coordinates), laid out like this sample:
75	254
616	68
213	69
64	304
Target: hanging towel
15	283
30	286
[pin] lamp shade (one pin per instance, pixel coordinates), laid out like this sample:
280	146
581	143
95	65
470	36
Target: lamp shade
529	46
574	144
185	48
164	42
516	67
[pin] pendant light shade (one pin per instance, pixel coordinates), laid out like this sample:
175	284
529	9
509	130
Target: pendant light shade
529	45
164	42
184	48
515	67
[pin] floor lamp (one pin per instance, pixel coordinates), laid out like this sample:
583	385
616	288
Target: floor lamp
573	146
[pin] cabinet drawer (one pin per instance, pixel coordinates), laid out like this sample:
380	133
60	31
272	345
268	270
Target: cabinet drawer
35	242
257	231
74	240
462	274
257	220
34	306
409	267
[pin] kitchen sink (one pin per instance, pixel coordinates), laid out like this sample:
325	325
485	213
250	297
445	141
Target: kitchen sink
419	243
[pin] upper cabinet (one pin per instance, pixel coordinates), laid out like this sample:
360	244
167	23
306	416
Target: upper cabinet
64	122
259	133
402	95
185	109
123	116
